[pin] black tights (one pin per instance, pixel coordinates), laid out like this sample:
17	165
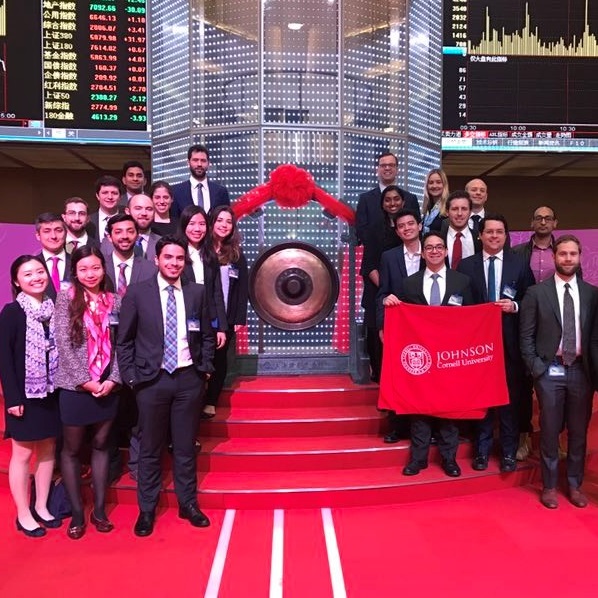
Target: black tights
70	463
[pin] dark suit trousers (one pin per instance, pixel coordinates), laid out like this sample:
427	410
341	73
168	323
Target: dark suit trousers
176	398
567	398
421	433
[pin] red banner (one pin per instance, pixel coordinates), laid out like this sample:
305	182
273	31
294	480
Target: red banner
443	361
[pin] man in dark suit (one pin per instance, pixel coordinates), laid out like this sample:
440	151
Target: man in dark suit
559	334
133	180
76	219
436	285
198	190
167	366
501	277
50	231
108	195
369	214
461	240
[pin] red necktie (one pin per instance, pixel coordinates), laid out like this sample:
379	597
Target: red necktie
457	251
55	274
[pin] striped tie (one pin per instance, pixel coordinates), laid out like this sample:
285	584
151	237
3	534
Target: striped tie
122	280
170	332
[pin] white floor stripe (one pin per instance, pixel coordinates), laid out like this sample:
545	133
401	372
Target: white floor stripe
334	558
277	554
220	555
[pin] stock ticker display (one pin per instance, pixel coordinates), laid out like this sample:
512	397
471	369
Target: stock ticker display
73	71
520	75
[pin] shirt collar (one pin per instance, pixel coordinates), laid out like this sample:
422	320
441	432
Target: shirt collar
498	256
163	283
560	283
47	255
441	273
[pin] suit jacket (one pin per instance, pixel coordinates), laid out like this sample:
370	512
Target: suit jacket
238	294
393	272
13	324
541	326
181	196
150	251
140	339
142	270
51	291
516	273
369	213
456	284
93	227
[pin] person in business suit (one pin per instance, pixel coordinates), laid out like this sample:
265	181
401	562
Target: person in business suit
559	338
461	240
108	195
198	190
501	277
76	219
167	365
234	277
436	285
395	266
50	231
133	180
369	215
478	191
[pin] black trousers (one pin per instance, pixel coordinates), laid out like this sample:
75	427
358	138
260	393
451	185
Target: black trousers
174	398
421	432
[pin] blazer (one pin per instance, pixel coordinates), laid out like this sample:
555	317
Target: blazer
456	284
13	324
516	273
51	291
150	252
393	272
215	296
238	294
369	213
142	270
140	338
541	327
93	226
181	196
73	366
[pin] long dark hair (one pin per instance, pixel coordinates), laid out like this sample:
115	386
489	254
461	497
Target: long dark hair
206	246
14	270
78	304
230	247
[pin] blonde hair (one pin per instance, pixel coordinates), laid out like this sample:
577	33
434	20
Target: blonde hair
428	203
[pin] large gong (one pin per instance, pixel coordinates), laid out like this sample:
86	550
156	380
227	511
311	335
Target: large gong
293	286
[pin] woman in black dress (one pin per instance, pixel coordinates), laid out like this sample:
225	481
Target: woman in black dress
164	223
28	363
87	377
235	289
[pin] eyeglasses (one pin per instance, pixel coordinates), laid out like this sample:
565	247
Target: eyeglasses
434	248
72	213
545	218
387	165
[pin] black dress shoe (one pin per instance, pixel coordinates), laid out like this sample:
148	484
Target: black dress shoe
413	468
508	464
195	517
480	463
392	437
50	523
38	532
144	525
451	469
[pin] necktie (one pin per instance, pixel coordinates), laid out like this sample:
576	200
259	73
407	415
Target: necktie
106	218
122	280
139	243
569	340
200	196
73	245
476	222
457	251
491	279
55	274
170	332
435	291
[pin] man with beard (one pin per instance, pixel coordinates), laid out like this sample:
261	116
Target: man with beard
559	341
76	219
133	180
197	190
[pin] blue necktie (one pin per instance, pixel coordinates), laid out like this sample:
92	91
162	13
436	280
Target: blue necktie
170	333
435	290
491	279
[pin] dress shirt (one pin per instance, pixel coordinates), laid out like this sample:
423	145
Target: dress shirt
197	264
541	262
466	242
497	272
183	352
412	260
201	198
128	270
560	292
50	264
428	283
82	240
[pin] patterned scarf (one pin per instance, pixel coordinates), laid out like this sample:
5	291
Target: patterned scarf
41	356
99	344
430	217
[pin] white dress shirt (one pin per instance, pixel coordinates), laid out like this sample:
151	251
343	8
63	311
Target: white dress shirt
198	194
197	264
48	258
128	270
428	280
466	242
412	260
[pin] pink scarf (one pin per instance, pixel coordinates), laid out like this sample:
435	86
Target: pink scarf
97	322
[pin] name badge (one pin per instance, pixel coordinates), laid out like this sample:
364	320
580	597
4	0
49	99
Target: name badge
113	318
50	344
509	292
233	272
556	370
455	300
193	325
65	285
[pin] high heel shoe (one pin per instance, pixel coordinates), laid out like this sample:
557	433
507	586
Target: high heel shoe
50	523
38	532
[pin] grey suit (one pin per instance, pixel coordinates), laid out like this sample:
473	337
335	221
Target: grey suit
142	270
568	396
148	251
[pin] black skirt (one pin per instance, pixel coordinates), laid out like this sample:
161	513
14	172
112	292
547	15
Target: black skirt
40	420
81	408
